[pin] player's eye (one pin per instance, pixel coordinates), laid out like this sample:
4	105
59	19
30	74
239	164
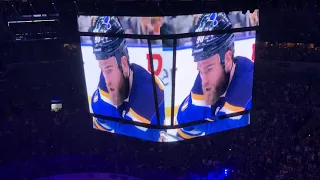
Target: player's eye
202	73
108	70
207	70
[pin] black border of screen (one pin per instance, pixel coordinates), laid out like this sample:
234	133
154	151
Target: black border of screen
156	104
169	36
151	126
175	37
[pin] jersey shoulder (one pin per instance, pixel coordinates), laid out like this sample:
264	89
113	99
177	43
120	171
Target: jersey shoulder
244	68
240	88
143	79
142	98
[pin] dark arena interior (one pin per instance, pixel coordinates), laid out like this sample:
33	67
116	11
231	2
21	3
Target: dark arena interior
159	89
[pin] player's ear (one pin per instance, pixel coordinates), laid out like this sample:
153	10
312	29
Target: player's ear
228	61
125	66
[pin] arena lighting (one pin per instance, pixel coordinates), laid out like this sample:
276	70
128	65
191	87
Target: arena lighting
15	10
34	12
34	21
56	105
75	3
160	8
96	6
55	8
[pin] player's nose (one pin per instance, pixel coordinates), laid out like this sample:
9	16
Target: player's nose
204	80
108	83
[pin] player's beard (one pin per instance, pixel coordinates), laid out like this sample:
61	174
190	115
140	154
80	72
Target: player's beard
121	93
217	89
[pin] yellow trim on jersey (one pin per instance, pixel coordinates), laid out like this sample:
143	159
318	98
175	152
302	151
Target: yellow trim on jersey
198	97
163	136
233	108
90	105
89	99
159	82
137	116
98	125
163	133
104	93
184	135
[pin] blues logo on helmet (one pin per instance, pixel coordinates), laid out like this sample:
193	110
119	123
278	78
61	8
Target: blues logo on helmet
107	22
213	19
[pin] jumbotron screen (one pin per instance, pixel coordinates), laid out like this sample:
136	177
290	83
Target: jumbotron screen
169	78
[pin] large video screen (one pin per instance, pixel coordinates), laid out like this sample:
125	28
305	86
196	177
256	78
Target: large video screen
169	89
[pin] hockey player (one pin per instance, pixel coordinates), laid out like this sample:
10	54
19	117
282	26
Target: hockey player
223	85
125	90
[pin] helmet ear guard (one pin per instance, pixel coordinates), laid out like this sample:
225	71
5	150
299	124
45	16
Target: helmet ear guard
223	52
120	54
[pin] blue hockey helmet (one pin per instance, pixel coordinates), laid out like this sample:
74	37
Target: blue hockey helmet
106	47
204	47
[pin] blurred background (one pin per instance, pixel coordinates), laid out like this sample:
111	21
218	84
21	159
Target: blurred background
170	25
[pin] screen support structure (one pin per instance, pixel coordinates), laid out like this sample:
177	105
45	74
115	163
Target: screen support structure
154	83
174	69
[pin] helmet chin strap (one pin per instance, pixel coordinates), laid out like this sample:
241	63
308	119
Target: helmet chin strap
222	57
119	56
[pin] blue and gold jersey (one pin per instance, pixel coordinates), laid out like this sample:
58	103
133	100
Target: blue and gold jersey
237	98
139	106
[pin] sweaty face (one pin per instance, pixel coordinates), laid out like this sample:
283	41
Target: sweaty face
214	78
117	85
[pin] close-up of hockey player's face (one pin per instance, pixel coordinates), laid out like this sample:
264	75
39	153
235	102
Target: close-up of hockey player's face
116	82
214	78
